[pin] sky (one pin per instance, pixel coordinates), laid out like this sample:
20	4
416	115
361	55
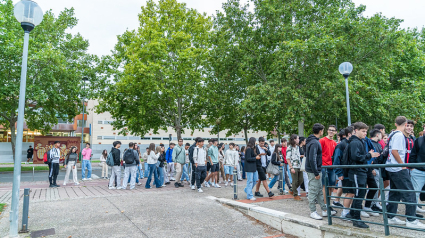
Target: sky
100	21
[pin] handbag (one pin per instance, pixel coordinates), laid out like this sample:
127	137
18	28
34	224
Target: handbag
272	169
303	164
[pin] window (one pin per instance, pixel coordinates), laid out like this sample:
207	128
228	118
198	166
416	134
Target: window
156	138
187	138
107	122
100	122
230	138
79	123
109	137
134	137
99	138
121	137
145	138
239	139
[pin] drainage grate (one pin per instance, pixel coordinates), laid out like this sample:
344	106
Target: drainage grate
47	232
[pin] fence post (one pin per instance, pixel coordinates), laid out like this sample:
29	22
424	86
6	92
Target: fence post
25	211
328	202
281	180
383	202
235	184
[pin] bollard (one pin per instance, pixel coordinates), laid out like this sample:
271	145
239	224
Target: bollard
235	184
328	201
281	180
25	211
33	174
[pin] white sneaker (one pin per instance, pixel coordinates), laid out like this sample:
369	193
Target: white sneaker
378	205
325	213
200	190
225	184
206	185
164	185
231	184
64	184
370	211
139	183
76	183
418	209
192	187
120	188
84	179
285	192
364	214
316	216
396	221
112	188
217	186
343	215
89	179
253	199
415	224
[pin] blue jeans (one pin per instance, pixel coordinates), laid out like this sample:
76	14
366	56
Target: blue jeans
185	175
289	174
243	170
331	177
418	181
251	180
274	180
160	171
137	178
154	172
141	171
146	169
86	163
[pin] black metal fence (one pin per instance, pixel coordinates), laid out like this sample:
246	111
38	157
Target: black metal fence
380	188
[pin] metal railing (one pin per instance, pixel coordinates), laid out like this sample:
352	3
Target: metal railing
382	191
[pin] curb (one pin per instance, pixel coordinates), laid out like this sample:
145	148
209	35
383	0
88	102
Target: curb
295	225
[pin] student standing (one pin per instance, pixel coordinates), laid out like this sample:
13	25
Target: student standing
160	164
302	156
131	159
262	151
294	161
213	158
286	172
242	154
170	165
251	168
87	152
55	155
230	161
30	153
179	159
277	159
199	159
185	174
103	158
152	161
328	147
192	163
69	164
116	169
269	157
221	163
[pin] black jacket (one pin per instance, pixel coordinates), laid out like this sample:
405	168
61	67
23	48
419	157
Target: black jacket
314	155
162	159
250	160
116	154
191	149
259	165
378	148
357	154
276	160
418	153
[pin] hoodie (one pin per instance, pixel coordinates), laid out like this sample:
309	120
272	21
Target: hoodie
418	153
339	151
357	154
314	155
199	156
169	155
231	158
116	154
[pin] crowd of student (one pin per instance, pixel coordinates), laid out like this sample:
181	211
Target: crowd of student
301	160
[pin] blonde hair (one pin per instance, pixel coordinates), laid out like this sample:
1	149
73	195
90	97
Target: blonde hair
158	149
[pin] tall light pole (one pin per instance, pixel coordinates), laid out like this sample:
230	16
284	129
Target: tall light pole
29	14
218	121
82	121
345	69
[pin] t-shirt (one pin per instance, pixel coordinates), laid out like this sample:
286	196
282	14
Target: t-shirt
284	154
328	148
30	152
397	142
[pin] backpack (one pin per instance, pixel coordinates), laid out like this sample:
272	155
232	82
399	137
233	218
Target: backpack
386	151
46	158
129	156
345	160
110	159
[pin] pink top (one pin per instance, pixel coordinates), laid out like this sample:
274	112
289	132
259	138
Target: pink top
86	153
382	143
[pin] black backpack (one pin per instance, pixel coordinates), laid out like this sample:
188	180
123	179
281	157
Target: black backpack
345	160
129	156
386	151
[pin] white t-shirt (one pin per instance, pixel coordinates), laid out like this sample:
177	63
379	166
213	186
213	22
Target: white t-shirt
398	142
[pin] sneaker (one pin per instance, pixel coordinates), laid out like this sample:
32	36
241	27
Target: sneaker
200	190
370	211
285	192
270	194
415	224
84	179
225	184
120	188
164	185
325	213
217	186
231	184
253	199
167	183
176	185
206	185
89	179
364	214
51	186
64	184
396	221
316	216
192	187
297	198
77	183
290	192
112	188
139	183
360	224
172	179
376	208
338	204
344	215
420	210
258	194
181	185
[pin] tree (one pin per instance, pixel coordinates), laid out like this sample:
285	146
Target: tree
159	71
56	63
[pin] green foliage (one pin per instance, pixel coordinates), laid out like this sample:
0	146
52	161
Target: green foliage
57	61
158	71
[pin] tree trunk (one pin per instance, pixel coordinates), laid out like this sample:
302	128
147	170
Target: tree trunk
179	132
13	136
245	131
301	128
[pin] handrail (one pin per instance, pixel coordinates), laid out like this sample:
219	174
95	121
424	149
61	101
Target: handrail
374	166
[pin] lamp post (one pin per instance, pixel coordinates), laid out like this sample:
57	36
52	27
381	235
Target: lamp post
345	69
29	14
218	121
82	121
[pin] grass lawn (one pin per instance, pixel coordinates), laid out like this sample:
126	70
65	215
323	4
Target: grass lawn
10	169
2	205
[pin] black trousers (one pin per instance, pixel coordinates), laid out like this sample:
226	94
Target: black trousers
201	174
53	173
359	181
371	183
193	177
401	180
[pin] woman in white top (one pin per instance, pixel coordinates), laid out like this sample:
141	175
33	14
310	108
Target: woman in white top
103	157
152	160
231	160
221	148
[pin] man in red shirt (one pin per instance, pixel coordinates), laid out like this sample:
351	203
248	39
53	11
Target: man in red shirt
328	147
288	177
381	128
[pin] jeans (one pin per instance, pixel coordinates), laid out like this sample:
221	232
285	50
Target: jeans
243	170
331	177
86	163
185	175
418	181
305	175
315	193
153	171
201	174
146	169
115	172
137	175
193	179
288	177
251	180
140	168
130	174
401	180
160	171
239	171
274	180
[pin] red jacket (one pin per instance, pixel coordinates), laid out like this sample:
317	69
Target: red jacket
328	147
284	154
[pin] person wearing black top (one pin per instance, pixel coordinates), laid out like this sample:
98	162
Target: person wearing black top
251	168
277	159
160	168
242	154
418	174
30	153
69	164
116	169
262	151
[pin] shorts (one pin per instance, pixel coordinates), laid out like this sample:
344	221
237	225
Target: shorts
385	175
261	173
228	169
208	166
215	168
331	177
346	182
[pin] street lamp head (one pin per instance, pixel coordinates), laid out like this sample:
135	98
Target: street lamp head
85	79
28	13
346	68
